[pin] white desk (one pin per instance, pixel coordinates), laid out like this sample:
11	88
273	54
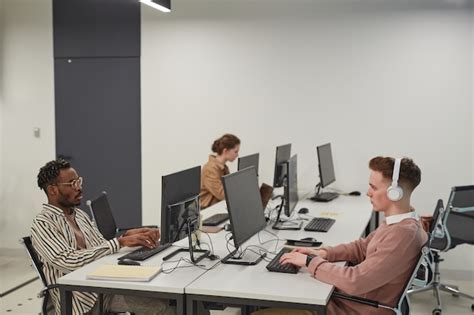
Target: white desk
233	284
168	286
254	285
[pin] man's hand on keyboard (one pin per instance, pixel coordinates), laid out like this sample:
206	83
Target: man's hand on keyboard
314	252
138	239
153	233
294	258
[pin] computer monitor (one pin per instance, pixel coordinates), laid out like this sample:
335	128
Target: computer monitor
180	209
245	207
290	197
326	173
325	165
177	188
177	217
282	155
247	161
291	189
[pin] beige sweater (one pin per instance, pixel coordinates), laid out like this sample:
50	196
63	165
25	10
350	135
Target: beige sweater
212	190
383	262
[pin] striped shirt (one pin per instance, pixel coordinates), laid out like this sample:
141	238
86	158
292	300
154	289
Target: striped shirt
55	242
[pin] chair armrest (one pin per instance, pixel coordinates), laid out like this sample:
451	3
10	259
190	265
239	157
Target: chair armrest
46	289
356	299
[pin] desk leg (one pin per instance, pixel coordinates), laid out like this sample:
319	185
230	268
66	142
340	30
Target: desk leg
181	305
246	310
66	301
191	306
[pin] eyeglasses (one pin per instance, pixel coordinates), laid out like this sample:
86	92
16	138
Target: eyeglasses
75	184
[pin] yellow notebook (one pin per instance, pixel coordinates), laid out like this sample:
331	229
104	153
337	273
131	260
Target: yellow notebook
124	273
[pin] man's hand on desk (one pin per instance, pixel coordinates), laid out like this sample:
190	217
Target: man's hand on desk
147	237
151	232
314	252
294	258
300	256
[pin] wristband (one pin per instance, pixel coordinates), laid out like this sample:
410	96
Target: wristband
308	260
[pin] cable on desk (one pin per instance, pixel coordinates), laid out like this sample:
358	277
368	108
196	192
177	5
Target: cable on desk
277	239
191	264
261	251
210	241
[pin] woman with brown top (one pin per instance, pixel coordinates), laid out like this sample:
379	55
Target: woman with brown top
227	150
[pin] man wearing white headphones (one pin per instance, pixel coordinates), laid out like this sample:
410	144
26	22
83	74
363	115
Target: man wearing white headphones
382	262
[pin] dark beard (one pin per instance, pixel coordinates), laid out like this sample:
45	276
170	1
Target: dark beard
66	204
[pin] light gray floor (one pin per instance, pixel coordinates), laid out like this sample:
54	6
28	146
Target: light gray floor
15	268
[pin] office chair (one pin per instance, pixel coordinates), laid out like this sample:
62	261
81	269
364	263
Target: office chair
451	226
38	266
44	293
403	304
104	219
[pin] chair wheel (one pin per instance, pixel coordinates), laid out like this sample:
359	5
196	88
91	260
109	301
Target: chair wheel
436	311
472	307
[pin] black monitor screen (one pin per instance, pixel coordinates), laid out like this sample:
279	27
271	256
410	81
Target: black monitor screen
178	215
103	217
326	166
247	161
291	189
244	204
282	155
178	191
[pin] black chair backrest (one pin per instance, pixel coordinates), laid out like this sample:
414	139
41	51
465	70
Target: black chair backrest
464	196
403	301
436	213
103	216
460	222
37	264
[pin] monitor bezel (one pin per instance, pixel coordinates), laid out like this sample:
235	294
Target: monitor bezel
278	178
239	242
321	181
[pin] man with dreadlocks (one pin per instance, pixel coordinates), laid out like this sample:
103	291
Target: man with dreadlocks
66	239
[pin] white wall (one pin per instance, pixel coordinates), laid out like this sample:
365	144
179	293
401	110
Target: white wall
26	71
390	79
2	212
372	79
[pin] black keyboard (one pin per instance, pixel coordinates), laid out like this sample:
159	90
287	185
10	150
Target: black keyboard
275	265
215	219
325	196
144	252
319	225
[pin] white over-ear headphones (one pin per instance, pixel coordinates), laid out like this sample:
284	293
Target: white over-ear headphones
395	192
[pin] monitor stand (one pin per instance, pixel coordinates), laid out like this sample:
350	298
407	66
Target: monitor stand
285	225
324	196
190	249
238	260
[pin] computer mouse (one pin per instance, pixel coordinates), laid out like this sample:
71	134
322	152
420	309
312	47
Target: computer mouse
354	193
303	211
212	257
128	262
310	239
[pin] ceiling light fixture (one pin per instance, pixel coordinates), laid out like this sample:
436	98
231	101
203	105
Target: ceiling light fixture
162	5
